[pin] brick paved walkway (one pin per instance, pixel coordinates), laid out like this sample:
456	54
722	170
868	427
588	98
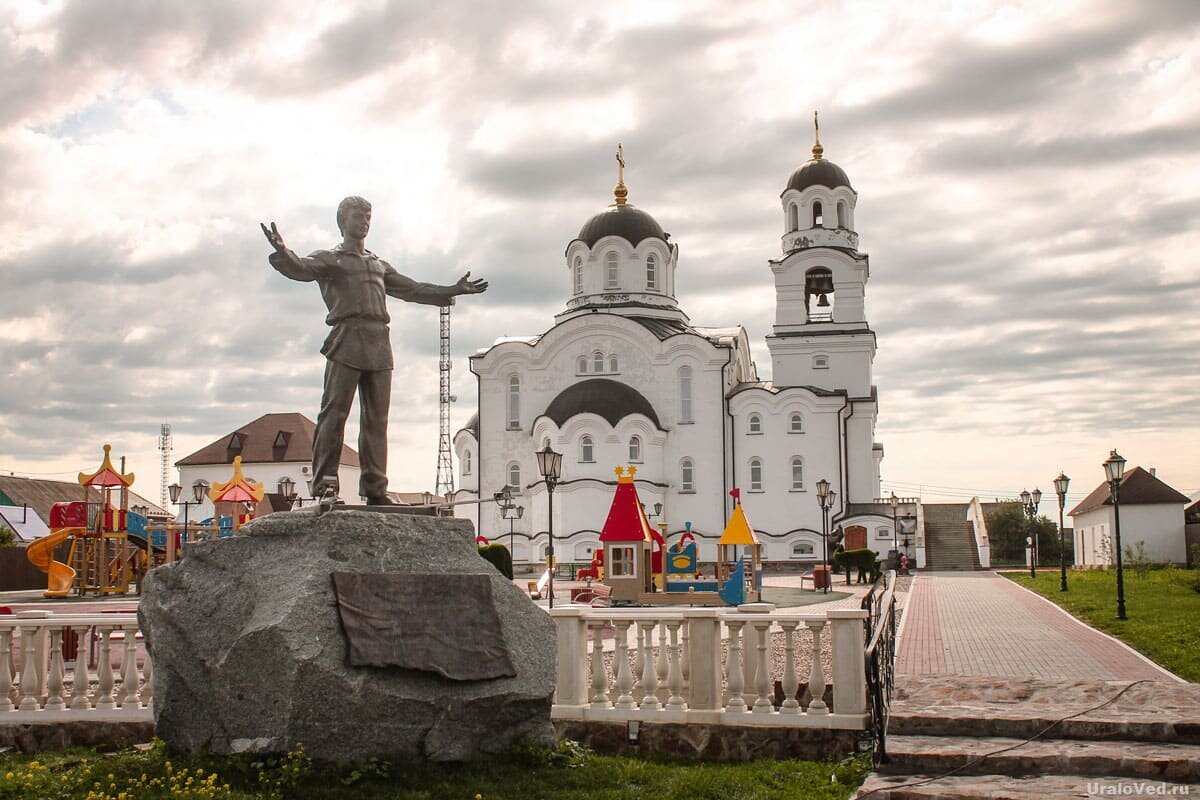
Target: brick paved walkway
978	623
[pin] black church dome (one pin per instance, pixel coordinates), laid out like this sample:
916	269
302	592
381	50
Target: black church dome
818	172
626	221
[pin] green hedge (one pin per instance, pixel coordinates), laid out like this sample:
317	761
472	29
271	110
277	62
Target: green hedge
499	557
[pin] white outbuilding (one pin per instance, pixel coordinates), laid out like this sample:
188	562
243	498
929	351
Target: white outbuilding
1151	513
624	376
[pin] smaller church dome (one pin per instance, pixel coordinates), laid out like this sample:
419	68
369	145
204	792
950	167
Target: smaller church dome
624	220
818	172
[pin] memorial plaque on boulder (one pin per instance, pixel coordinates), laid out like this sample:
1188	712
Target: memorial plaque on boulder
250	652
389	622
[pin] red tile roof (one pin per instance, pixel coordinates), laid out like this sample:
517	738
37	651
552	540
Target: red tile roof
1138	488
270	439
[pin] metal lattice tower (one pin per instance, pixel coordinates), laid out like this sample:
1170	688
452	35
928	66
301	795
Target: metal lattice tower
164	447
445	467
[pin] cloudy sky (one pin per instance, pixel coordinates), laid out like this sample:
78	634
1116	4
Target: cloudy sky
1027	177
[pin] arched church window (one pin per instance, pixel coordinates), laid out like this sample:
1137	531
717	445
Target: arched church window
841	211
581	365
687	475
612	364
610	271
466	462
651	273
514	477
756	475
597	361
818	215
578	275
685	394
796	423
514	402
754	424
587	451
797	474
635	449
793	217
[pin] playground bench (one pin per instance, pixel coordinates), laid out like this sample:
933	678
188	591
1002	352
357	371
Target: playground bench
597	594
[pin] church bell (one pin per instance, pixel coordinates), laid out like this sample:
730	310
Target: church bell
823	301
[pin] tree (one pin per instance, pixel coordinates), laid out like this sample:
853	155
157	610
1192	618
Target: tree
8	536
1008	528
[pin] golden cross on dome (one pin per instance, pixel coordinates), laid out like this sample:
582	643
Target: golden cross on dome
817	150
619	191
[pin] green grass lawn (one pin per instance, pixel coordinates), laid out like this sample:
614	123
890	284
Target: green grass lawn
569	773
1163	610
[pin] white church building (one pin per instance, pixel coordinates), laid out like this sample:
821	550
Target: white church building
624	376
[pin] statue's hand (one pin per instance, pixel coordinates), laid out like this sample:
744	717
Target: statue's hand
467	286
273	237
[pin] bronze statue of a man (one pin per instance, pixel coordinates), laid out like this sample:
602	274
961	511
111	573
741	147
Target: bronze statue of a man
354	283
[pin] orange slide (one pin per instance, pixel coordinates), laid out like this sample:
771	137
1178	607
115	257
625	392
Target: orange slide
60	576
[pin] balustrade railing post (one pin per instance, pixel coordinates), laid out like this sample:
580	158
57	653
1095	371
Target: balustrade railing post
674	671
790	681
816	675
148	682
104	693
703	659
54	678
30	696
129	672
599	697
650	701
660	659
80	679
849	667
625	699
762	672
734	669
6	671
571	687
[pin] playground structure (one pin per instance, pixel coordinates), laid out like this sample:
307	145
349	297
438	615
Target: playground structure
112	548
100	558
635	566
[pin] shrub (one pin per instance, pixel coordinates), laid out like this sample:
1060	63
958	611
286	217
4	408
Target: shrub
1137	560
864	560
499	557
8	536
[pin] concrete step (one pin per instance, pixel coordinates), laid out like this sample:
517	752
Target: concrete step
1007	787
932	755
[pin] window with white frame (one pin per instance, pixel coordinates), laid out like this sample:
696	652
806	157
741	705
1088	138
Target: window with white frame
581	365
754	424
796	423
820	362
797	474
514	402
793	218
635	449
685	394
578	276
883	533
597	361
756	475
611	271
652	273
687	476
587	450
623	563
818	215
612	364
803	550
514	477
466	462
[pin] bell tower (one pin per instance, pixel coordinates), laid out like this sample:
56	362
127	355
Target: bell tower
821	337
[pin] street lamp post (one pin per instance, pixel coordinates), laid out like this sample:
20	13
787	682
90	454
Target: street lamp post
825	498
511	513
287	488
1060	488
550	466
895	503
1030	503
1114	467
198	489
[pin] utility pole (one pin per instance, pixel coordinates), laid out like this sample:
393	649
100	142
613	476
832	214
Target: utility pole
445	466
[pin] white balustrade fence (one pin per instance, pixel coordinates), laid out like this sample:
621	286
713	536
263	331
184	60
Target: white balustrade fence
685	678
36	684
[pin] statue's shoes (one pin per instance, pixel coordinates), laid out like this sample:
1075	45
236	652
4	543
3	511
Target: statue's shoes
380	500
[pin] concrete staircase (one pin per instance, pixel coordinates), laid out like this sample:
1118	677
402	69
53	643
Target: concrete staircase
949	538
1148	744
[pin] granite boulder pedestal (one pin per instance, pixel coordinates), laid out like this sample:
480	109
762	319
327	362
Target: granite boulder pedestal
356	633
